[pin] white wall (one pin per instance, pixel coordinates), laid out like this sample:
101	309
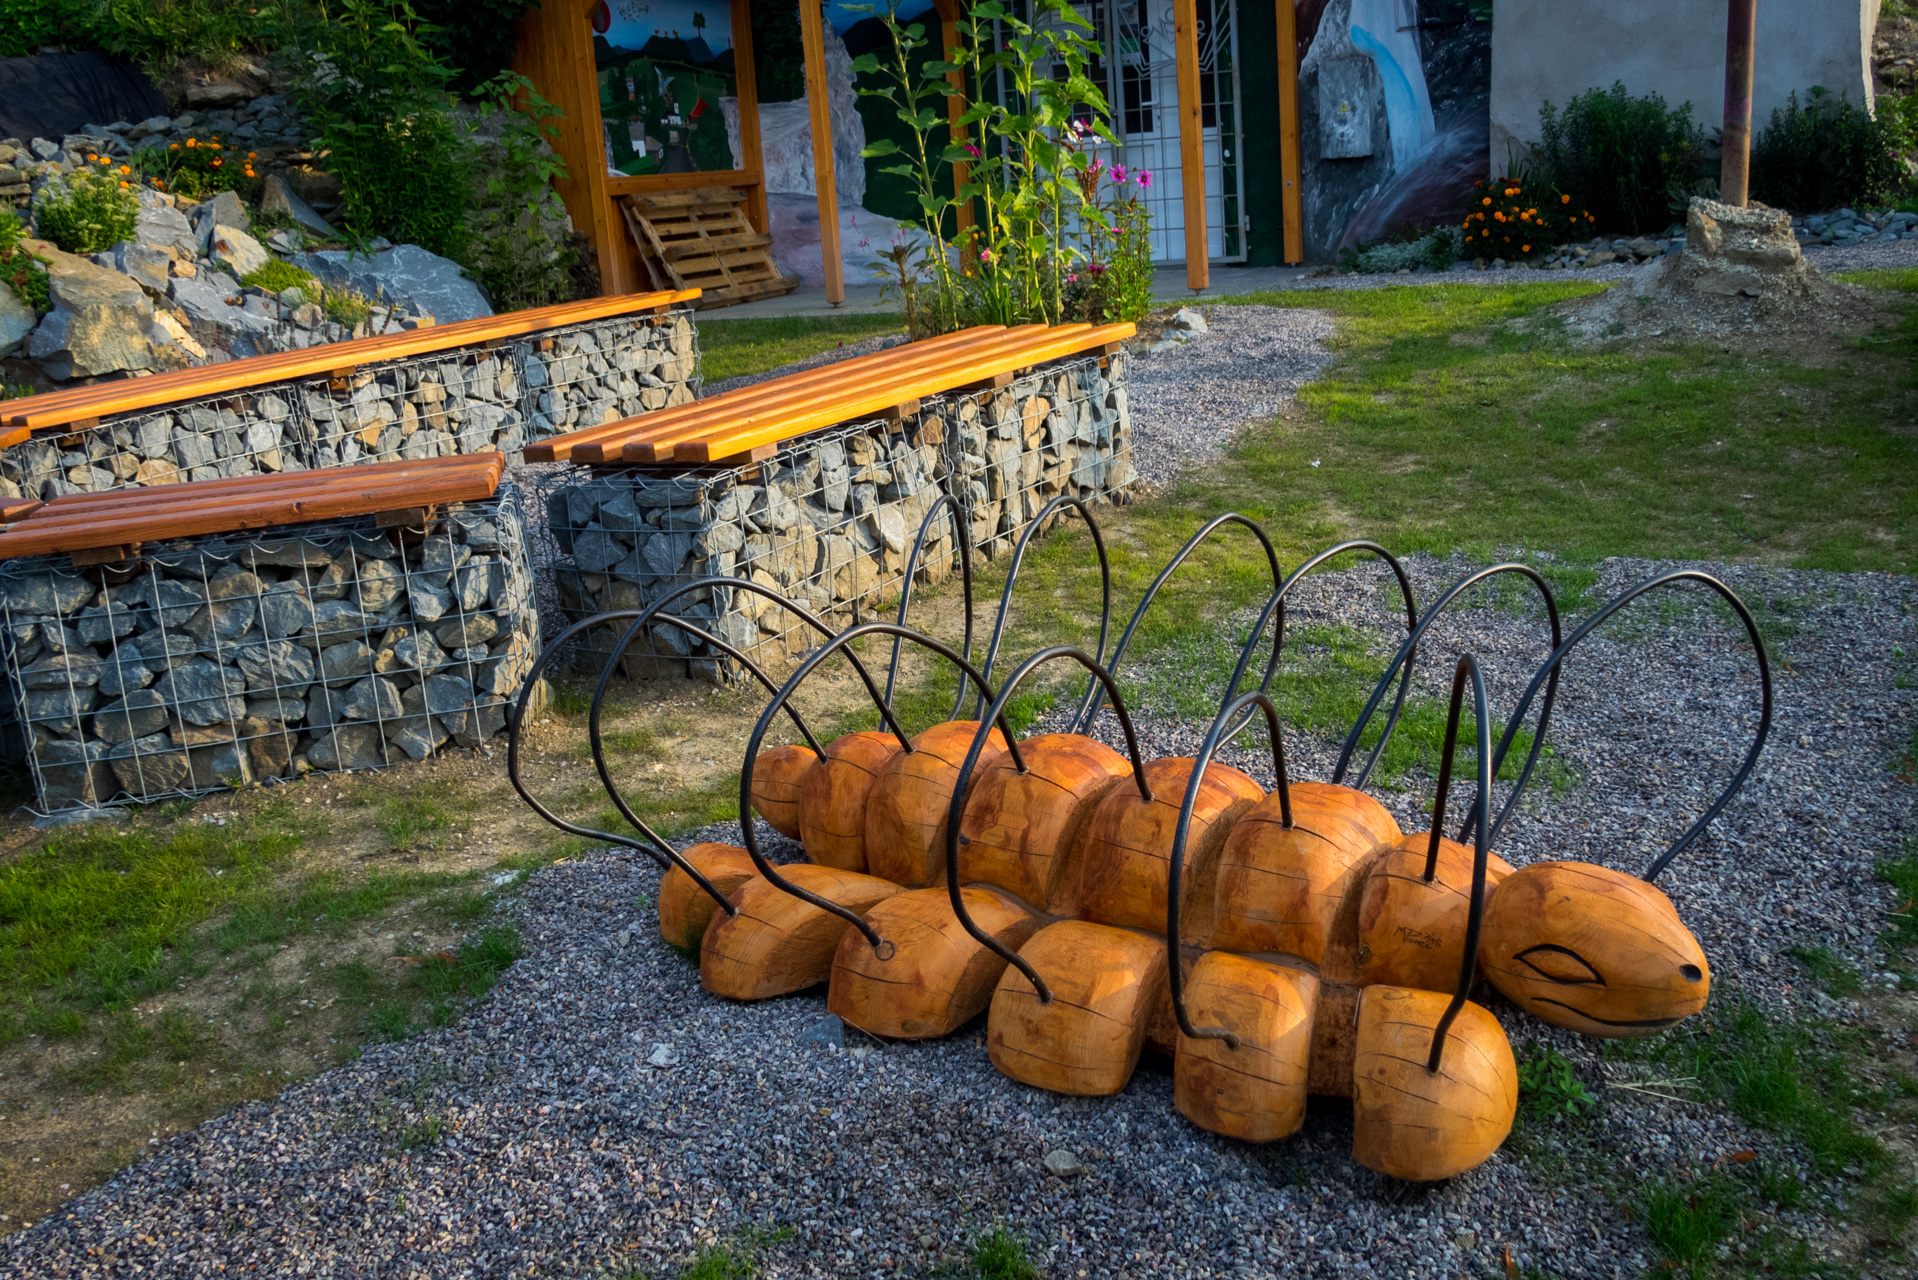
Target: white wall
1557	49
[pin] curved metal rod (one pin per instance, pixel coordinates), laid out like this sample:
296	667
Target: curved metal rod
1245	703
1018	561
1406	655
964	539
1467	670
659	850
797	678
1764	679
956	812
1277	604
1082	722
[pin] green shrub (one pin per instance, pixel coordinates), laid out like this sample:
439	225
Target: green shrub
196	168
1626	160
279	275
26	26
1829	152
159	34
518	248
474	38
87	211
377	99
23	272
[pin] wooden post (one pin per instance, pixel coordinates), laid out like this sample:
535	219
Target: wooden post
1292	202
1735	146
812	32
1185	31
955	107
747	91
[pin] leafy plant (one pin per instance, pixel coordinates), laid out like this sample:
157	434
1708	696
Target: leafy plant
1624	159
159	34
1902	875
196	168
1549	1086
1000	1255
377	100
88	210
21	270
1687	1222
1829	152
279	275
1519	218
26	26
518	250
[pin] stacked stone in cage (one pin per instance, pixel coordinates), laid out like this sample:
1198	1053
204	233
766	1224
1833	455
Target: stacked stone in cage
463	400
230	660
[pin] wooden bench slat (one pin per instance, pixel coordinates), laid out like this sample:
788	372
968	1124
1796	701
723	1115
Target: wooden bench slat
202	491
59	408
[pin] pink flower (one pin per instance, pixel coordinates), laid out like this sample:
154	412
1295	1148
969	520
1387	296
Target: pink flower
1119	174
985	255
973	151
1143	178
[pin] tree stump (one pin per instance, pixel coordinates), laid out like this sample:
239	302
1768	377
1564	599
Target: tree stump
778	943
911	799
1279	888
833	794
685	909
1412	933
776	786
1255	1092
1592	950
1023	831
1105	983
938	977
1409	1123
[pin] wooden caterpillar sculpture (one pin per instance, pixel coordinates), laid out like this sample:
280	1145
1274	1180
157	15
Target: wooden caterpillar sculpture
1313	932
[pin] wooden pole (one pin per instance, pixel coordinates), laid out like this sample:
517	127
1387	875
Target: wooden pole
1741	37
812	32
955	107
1185	30
1293	198
750	158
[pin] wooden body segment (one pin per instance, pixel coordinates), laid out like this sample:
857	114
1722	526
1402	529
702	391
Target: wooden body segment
776	786
685	909
1592	950
1023	831
1411	933
1128	850
1280	889
1335	1040
911	799
1408	1123
778	943
938	977
1105	985
1255	1092
833	794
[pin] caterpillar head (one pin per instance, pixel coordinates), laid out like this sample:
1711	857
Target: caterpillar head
1592	950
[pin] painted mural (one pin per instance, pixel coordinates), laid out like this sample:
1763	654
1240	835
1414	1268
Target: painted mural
664	66
1394	109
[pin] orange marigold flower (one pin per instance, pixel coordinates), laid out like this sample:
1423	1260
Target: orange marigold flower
126	169
1488	199
252	154
1564	199
174	147
123	186
1525	248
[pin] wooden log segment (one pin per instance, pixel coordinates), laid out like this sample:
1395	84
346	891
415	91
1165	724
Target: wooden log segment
832	798
1280	888
1409	1123
685	909
1255	1092
1105	984
1592	950
778	943
1128	850
938	977
1023	831
777	775
1411	932
911	798
1335	1040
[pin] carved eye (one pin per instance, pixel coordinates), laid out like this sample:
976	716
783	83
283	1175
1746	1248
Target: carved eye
1559	964
1692	972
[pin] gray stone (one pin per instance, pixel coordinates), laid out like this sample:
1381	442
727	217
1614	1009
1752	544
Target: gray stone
149	268
278	197
421	653
342	664
223	210
285	610
341	617
73	773
239	252
141	713
349	746
61	670
121	674
279	665
48	594
227	764
379	584
374	698
149	766
204	299
465	630
17	318
1063	1164
1188	319
204	692
59	710
418	733
827	1032
299	553
407	273
162	226
664	553
98	324
429	603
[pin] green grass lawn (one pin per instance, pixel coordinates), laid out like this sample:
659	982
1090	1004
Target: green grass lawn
729	348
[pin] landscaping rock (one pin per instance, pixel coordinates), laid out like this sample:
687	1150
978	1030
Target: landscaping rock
161	226
98	324
405	273
223	210
278	197
17	319
239	252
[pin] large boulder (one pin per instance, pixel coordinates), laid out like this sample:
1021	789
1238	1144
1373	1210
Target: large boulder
278	197
98	324
213	307
404	273
161	226
239	252
17	318
223	210
1750	251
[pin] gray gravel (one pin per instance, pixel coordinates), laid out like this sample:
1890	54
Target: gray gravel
565	1153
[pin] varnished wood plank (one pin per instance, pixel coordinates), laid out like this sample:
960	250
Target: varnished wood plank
1291	199
1185	37
812	37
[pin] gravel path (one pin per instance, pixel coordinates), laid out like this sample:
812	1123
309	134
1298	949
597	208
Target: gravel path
564	1152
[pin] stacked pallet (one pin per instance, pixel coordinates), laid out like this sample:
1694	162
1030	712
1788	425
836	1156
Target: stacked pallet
701	240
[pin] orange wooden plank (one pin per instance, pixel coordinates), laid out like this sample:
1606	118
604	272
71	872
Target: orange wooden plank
1291	200
812	40
1185	39
242	487
1071	340
58	408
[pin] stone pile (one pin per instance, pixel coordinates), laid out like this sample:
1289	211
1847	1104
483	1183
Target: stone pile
234	660
831	520
462	401
1846	226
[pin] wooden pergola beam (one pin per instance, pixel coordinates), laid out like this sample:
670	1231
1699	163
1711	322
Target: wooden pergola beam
948	11
812	31
1185	34
1292	200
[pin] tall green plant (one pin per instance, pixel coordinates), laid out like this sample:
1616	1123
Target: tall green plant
1625	159
516	250
1830	152
377	99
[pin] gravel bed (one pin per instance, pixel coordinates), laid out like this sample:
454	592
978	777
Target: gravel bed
1876	256
602	1114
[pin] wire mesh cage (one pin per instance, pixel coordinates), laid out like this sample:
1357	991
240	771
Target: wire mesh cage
225	661
831	519
463	400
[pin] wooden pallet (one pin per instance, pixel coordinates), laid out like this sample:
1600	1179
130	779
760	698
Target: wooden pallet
701	240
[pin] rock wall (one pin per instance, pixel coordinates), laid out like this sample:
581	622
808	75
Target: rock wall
830	521
460	401
233	660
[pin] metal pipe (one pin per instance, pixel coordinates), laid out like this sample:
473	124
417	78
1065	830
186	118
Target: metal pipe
1741	38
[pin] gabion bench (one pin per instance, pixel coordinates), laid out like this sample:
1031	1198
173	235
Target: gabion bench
201	636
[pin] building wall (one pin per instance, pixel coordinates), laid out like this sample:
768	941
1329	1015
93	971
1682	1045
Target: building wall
1556	49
